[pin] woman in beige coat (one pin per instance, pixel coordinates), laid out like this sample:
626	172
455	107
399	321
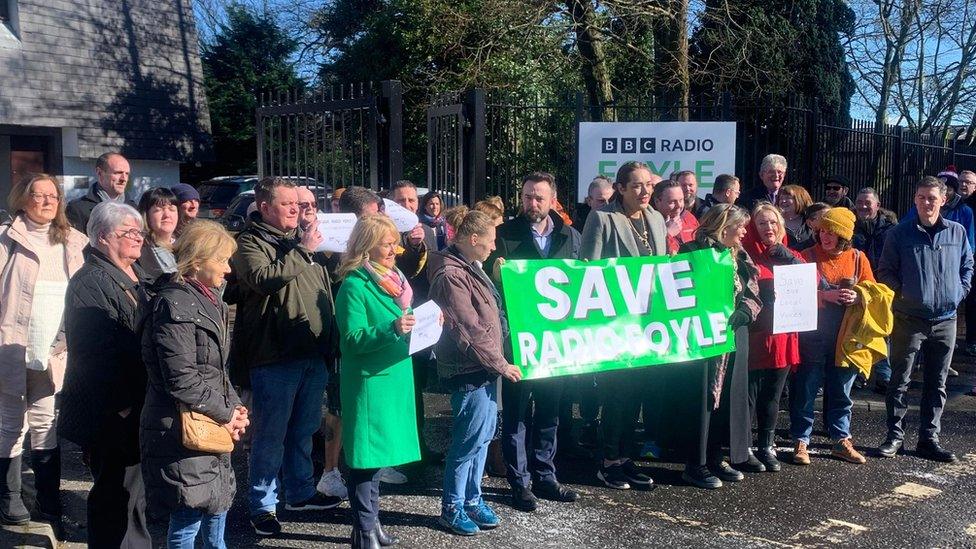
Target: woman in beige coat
39	251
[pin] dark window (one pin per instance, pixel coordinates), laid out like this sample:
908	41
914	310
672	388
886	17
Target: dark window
8	17
4	11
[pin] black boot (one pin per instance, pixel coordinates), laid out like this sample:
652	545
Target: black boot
364	540
766	452
12	509
47	481
385	539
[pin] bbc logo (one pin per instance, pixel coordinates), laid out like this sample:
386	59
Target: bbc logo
629	145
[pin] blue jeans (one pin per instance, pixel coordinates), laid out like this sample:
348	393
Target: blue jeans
287	410
184	524
474	421
837	383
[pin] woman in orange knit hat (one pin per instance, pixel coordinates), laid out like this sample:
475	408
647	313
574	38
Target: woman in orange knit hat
840	267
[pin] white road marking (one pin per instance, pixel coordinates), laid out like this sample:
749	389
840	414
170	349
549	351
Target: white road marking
902	495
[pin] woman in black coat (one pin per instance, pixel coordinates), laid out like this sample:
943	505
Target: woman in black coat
184	346
105	381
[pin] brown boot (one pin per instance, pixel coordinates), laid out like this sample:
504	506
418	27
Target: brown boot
496	462
844	450
800	454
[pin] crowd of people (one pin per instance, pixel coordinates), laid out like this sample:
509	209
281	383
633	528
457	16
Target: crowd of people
114	335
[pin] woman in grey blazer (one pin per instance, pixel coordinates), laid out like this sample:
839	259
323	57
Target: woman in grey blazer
626	227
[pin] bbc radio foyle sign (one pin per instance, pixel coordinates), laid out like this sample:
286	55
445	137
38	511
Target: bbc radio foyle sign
706	148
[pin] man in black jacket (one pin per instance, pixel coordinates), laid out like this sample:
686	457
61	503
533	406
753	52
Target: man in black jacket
534	235
112	171
772	173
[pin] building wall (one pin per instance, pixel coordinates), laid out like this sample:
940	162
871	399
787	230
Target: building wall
123	75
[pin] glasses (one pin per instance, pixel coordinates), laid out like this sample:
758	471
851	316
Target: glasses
833	187
131	234
39	198
305	205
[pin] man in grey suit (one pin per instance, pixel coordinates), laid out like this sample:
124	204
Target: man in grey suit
627	227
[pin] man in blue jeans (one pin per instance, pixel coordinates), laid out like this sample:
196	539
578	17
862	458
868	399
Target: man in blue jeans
928	262
283	335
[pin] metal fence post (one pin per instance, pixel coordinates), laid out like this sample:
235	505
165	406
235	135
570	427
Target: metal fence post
259	130
475	155
812	152
896	163
391	108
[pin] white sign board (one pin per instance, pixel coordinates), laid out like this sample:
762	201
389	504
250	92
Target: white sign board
336	228
795	308
427	331
404	219
706	148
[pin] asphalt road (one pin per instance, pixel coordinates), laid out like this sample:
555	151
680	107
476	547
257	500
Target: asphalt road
903	502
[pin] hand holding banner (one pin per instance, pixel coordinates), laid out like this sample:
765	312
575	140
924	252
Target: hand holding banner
336	229
572	317
795	308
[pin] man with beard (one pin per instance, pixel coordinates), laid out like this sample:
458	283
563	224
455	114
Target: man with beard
689	186
836	188
536	234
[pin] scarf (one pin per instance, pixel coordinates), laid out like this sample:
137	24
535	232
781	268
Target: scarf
391	281
207	292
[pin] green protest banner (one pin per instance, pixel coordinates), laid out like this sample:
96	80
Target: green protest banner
572	317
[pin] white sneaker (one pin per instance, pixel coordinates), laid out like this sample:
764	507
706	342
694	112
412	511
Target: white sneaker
390	475
332	484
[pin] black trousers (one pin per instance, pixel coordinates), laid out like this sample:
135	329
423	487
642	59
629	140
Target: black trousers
116	502
364	500
683	410
970	310
543	420
421	369
621	393
765	390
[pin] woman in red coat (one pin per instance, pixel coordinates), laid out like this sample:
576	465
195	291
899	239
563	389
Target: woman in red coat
771	356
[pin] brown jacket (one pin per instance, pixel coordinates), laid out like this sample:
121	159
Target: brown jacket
473	335
18	276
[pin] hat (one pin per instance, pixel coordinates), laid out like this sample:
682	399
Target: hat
950	178
839	179
839	221
185	192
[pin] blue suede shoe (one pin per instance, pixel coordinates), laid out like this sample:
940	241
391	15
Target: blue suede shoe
457	521
482	515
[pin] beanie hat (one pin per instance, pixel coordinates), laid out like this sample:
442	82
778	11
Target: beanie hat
185	192
950	178
839	221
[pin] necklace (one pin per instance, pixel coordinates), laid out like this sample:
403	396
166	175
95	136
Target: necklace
641	235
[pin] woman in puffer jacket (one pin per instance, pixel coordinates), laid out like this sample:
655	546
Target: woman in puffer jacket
184	347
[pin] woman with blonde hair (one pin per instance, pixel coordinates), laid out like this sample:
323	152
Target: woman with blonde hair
771	356
184	347
376	385
711	395
39	251
470	357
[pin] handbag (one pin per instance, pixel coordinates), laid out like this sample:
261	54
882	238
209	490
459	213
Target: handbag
203	434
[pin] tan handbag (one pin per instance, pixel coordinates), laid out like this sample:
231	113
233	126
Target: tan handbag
203	434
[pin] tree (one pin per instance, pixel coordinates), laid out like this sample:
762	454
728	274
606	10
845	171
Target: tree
249	55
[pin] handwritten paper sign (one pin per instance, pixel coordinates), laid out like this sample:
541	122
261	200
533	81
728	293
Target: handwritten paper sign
795	308
336	228
404	219
428	328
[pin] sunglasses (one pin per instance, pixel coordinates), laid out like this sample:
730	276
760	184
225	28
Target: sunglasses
833	187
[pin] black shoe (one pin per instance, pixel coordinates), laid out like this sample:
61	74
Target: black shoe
523	499
385	539
635	475
767	456
12	509
700	476
751	465
931	450
364	540
266	524
553	491
890	448
724	472
614	477
318	502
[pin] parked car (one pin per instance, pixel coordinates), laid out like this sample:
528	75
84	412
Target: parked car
235	216
216	194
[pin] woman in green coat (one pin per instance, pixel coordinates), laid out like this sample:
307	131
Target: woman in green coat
376	381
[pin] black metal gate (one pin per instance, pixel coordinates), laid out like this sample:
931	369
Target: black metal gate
456	146
340	136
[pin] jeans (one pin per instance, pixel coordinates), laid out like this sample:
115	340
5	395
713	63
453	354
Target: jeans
364	500
185	523
936	341
474	418
837	383
287	412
